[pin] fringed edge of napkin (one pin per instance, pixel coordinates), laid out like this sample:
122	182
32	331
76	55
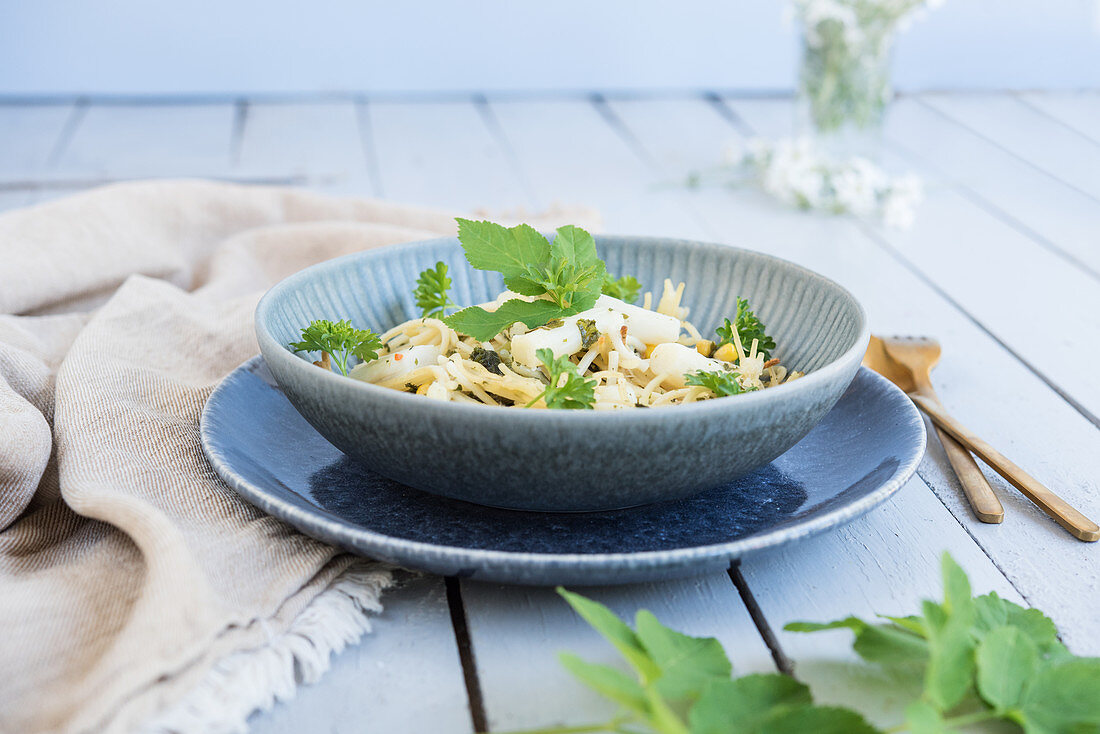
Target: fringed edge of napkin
248	681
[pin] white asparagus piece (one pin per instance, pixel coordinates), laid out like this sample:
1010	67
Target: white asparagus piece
401	362
677	360
609	314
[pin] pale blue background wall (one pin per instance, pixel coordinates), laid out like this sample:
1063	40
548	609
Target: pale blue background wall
222	46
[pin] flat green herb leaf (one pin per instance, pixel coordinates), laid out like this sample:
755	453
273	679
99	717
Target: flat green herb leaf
889	645
1006	660
509	251
992	612
853	623
524	286
722	384
662	717
432	291
816	719
341	340
1062	697
607	681
950	668
483	325
956	586
922	718
688	664
1007	655
748	327
567	389
740	705
950	671
575	246
614	631
625	288
875	643
912	623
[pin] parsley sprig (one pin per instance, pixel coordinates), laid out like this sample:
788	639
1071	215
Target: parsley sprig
433	291
340	340
748	327
566	274
722	384
980	659
567	389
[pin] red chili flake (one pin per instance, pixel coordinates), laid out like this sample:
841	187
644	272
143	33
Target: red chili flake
622	331
398	357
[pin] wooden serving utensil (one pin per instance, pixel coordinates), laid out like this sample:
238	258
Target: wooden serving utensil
913	352
917	380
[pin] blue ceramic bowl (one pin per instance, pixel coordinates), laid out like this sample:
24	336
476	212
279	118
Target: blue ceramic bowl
567	460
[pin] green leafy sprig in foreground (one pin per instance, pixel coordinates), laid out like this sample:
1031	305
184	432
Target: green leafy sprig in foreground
980	659
748	327
567	389
340	340
566	275
432	291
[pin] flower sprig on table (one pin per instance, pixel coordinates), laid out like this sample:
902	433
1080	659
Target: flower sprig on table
801	175
980	658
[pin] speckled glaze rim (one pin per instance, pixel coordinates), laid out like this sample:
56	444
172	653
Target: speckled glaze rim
398	400
327	527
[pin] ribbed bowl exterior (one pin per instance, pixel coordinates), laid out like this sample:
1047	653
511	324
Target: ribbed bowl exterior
568	460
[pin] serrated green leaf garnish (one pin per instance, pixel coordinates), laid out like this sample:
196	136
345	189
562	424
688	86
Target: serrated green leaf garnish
566	275
748	327
340	340
484	325
507	250
432	291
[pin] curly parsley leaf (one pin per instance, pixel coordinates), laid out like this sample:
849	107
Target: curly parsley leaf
341	340
722	384
625	288
748	327
432	291
567	389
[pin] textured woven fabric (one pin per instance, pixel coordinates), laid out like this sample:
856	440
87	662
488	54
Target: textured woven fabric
127	569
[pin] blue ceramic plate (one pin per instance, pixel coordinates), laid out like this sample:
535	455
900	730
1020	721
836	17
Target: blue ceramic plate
858	456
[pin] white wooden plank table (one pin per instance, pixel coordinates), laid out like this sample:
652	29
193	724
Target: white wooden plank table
1002	266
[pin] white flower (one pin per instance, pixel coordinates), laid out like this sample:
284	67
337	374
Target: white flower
796	173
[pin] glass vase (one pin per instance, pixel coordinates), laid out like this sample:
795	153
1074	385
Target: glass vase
844	84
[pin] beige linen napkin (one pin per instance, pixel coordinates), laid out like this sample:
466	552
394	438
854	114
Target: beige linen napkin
129	574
